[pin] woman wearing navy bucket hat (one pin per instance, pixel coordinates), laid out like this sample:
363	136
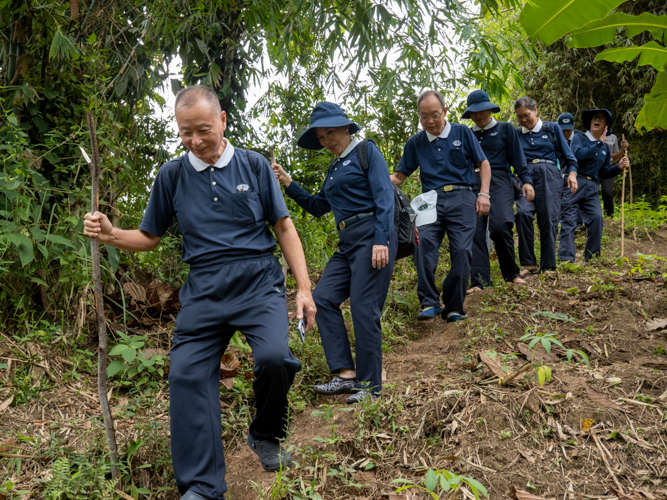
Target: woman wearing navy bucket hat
594	158
363	206
500	143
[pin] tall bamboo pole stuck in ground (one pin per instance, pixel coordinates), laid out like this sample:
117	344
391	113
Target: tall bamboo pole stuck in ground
282	255
99	306
623	210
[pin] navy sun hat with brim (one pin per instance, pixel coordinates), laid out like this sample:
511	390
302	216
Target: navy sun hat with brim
478	100
566	121
588	114
325	115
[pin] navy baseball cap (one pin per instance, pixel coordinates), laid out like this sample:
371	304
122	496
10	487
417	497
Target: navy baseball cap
478	100
566	121
325	114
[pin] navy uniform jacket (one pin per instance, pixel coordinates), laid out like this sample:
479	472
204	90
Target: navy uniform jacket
594	157
538	146
445	160
221	211
348	191
502	148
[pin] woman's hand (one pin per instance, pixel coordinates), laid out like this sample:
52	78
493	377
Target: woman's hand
528	192
624	163
380	256
281	176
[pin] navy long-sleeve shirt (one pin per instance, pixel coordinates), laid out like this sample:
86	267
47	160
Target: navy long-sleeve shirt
448	159
502	148
348	191
593	157
537	146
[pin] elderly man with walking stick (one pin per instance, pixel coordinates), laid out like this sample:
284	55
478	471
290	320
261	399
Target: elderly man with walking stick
222	198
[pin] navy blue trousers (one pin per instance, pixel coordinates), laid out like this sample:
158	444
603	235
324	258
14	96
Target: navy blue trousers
501	224
586	200
244	294
350	274
548	185
456	218
607	191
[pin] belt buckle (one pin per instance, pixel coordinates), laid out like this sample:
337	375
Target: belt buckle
341	226
536	160
448	188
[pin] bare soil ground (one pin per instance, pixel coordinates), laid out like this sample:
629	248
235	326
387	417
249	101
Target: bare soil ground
589	433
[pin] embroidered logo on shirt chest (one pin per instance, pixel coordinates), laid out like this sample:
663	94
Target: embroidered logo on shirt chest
456	143
545	137
493	133
347	162
242	188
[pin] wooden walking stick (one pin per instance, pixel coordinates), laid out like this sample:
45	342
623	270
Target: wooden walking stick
625	155
629	175
282	255
99	305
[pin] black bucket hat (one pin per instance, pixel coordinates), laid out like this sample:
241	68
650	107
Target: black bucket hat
588	114
478	100
325	114
566	121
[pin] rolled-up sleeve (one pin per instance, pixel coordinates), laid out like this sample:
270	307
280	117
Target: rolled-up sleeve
316	205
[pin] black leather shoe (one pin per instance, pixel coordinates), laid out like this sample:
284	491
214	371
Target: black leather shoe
191	495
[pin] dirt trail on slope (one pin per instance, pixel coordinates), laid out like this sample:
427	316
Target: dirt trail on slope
527	436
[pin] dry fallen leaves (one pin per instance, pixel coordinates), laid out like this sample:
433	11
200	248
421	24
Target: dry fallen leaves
656	324
4	405
524	495
600	399
493	365
229	368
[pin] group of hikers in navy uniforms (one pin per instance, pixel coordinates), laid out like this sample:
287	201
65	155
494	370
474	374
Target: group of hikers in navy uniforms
226	199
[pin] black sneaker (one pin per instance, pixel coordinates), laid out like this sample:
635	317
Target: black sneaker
360	395
337	386
271	455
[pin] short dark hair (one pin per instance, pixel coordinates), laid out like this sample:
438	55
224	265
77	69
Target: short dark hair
427	93
190	95
525	102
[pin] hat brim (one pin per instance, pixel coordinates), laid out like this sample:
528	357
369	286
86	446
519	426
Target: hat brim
309	140
587	118
480	106
566	126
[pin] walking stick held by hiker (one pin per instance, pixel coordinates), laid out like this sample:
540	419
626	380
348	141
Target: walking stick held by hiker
99	306
625	155
282	256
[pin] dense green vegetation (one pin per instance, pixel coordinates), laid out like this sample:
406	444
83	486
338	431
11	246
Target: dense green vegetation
113	57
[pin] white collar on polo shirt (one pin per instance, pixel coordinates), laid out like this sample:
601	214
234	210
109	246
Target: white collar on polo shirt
535	129
223	161
353	144
443	135
489	125
590	136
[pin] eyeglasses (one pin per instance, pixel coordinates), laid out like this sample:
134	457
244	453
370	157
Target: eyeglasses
426	118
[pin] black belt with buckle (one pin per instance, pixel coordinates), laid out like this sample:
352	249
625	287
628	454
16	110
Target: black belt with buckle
456	188
539	160
353	220
587	177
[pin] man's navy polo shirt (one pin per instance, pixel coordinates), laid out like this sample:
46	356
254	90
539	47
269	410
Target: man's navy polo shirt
443	161
502	148
593	156
221	212
537	145
348	191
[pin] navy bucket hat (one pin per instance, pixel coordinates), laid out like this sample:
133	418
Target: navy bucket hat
325	114
566	121
478	100
588	114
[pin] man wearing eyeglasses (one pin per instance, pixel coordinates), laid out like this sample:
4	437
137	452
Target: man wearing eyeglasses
448	155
